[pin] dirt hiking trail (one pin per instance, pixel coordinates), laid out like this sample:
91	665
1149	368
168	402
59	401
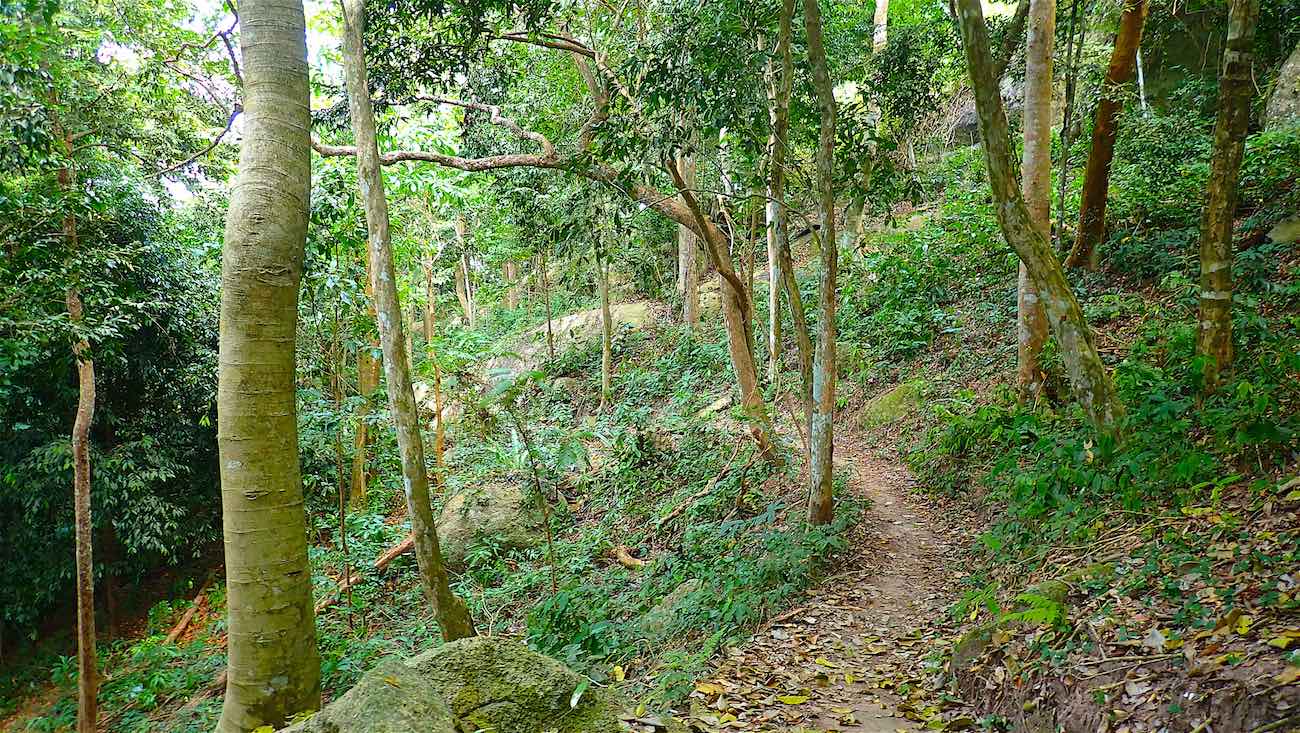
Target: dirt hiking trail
847	657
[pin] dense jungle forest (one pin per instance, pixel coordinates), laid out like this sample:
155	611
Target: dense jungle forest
690	366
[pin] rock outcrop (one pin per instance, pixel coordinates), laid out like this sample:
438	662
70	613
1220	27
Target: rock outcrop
497	512
483	683
1284	105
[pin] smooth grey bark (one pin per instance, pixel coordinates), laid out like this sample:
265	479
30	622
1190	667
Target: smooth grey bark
1091	384
453	616
822	430
274	669
1214	335
1036	186
688	257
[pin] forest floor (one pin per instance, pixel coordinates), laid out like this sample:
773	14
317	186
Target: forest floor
852	656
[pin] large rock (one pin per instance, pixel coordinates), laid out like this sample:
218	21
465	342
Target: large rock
571	330
893	405
487	684
498	513
1284	106
502	686
391	698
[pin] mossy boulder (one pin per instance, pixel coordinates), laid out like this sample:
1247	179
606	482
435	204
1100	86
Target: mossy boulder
496	513
391	698
893	405
501	685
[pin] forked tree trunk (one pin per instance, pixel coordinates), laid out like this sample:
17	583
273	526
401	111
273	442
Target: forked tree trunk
273	670
1096	177
1031	321
1214	337
1092	386
453	616
822	431
87	662
688	258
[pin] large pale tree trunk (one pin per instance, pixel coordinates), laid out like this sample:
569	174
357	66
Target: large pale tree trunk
688	258
822	431
273	670
1096	177
87	662
880	37
1036	166
453	617
1214	337
1088	377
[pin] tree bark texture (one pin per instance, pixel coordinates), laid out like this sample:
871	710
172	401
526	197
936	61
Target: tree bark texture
430	299
453	616
606	331
1091	384
273	670
880	36
1214	335
1036	187
1011	41
822	431
511	272
1096	177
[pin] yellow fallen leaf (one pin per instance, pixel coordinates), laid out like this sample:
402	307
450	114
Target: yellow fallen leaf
823	661
619	674
1288	676
848	678
1281	642
1243	624
708	688
392	681
793	699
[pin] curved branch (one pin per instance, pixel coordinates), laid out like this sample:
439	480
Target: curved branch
230	122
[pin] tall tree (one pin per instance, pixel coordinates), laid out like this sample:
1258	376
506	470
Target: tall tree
688	257
453	616
1096	177
87	663
274	669
1214	338
1036	167
822	430
1088	377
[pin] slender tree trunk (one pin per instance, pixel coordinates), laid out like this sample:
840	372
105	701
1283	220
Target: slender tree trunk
1073	51
367	381
1214	337
1092	385
453	617
780	130
1096	178
87	662
511	272
822	431
430	296
880	37
546	295
688	255
273	670
606	331
1011	41
1037	189
772	210
464	286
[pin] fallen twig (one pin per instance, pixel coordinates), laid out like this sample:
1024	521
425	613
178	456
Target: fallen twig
184	622
708	489
627	559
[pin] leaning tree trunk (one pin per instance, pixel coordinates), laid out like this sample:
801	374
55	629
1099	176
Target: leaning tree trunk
1214	338
1096	177
87	662
1092	386
1031	321
688	259
822	431
453	616
273	670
